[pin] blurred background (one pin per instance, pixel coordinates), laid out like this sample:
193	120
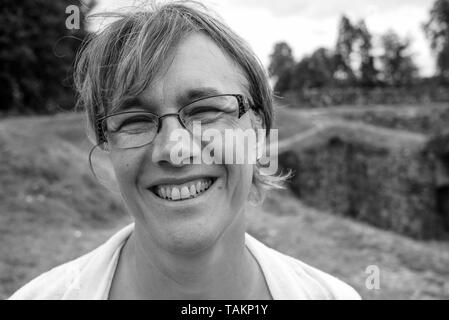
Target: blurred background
362	108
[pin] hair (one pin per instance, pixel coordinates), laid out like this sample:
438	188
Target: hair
124	58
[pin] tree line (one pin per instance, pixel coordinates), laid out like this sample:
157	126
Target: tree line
37	53
352	62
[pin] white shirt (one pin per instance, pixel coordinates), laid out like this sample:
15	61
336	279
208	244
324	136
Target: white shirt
90	276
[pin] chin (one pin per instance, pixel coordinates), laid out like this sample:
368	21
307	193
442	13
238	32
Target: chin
192	240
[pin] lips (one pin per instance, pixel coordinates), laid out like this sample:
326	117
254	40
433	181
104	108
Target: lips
187	190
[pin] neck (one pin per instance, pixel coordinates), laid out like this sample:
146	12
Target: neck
226	269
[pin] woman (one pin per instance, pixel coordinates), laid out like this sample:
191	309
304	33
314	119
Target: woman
145	76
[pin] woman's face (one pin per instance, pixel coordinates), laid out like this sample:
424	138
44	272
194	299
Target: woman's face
193	224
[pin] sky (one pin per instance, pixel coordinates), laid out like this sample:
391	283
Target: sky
309	24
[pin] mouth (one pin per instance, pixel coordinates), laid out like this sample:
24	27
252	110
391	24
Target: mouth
188	190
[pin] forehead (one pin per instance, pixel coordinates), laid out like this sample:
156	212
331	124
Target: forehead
196	63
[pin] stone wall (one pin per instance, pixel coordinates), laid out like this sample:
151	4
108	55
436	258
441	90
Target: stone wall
385	177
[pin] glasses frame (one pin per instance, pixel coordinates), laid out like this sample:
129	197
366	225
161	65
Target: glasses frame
101	127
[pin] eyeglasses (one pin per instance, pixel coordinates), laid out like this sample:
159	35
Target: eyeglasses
133	129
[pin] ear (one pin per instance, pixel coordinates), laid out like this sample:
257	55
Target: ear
256	119
259	128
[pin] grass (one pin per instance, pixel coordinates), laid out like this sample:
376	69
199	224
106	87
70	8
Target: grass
409	269
430	119
290	122
52	210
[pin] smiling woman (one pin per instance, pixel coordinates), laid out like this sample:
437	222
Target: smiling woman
146	75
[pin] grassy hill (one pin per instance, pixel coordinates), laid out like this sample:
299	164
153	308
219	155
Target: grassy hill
53	210
430	119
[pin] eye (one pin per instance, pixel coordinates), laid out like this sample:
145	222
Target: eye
203	110
204	114
137	122
210	110
131	123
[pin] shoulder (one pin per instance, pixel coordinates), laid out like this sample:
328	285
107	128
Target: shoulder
83	278
290	278
53	284
333	287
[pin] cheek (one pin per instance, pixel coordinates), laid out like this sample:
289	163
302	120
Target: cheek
240	176
240	181
126	166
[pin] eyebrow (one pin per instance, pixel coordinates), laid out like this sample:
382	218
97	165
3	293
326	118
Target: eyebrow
189	96
197	93
130	103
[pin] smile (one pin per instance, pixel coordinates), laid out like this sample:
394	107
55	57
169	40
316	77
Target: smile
184	191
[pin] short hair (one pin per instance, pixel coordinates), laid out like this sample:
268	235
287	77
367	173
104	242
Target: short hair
124	58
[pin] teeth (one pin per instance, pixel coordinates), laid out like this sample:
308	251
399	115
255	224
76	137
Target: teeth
167	192
185	191
175	195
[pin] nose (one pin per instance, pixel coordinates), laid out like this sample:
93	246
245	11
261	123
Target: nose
173	145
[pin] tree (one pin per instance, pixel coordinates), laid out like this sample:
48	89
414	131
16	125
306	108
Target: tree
437	31
367	73
314	71
347	35
281	66
37	54
398	68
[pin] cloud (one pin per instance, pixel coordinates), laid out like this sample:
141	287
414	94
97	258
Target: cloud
309	24
329	8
